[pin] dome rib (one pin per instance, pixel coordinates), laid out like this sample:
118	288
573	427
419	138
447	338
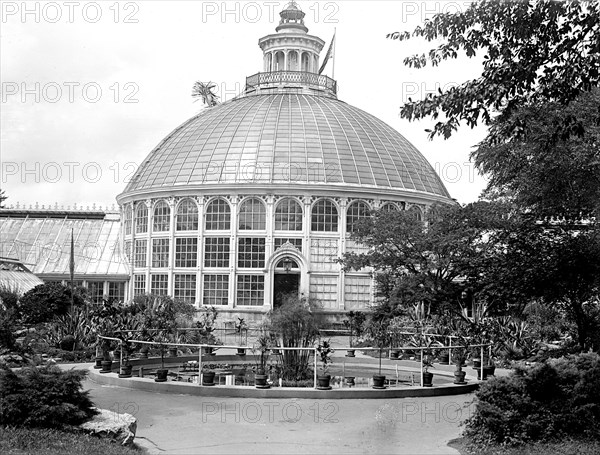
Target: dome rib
285	139
341	128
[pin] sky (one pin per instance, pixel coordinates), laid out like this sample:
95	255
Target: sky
90	88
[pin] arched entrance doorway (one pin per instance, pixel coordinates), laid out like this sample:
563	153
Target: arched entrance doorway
286	280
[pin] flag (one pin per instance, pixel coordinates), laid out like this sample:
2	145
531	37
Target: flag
72	260
328	55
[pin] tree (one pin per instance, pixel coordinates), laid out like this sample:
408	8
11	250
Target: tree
45	301
571	278
205	92
416	261
3	197
535	51
541	170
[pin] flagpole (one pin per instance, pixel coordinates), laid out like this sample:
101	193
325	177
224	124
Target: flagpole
72	271
334	52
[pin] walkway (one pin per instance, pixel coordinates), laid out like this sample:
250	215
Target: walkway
178	424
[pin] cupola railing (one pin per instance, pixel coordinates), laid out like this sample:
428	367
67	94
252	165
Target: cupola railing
302	78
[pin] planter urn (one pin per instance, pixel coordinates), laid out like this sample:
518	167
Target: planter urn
161	375
350	353
323	382
260	381
208	378
379	381
427	379
459	377
125	371
106	366
98	361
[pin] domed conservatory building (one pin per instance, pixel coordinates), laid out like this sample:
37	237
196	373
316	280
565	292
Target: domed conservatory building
256	198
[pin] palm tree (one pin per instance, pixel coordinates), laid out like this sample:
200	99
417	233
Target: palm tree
205	91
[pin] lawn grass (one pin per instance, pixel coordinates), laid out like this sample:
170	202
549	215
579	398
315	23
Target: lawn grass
566	447
55	442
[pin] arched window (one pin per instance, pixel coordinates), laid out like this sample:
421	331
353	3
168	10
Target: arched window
305	61
324	216
389	207
141	218
218	215
288	216
161	220
253	215
355	212
279	61
292	61
187	216
128	219
416	213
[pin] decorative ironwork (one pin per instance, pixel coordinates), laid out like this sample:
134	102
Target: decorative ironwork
292	77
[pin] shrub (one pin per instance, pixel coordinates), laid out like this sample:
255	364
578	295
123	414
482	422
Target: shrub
7	336
45	301
296	323
554	399
9	296
43	397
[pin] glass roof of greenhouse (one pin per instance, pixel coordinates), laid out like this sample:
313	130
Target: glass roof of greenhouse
42	241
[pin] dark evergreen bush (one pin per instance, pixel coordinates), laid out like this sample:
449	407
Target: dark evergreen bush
43	397
551	400
47	300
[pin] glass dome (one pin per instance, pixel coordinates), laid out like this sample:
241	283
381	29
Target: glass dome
286	139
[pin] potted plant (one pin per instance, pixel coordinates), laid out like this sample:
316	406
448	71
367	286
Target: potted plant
353	323
106	358
144	350
459	357
99	358
261	356
162	372
242	332
324	350
427	363
125	369
378	331
208	375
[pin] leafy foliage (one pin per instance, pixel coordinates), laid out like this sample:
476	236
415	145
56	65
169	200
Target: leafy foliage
546	402
204	91
543	170
44	397
48	300
296	323
533	51
417	262
9	296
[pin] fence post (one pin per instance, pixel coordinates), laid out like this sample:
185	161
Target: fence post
315	378
421	349
200	365
481	366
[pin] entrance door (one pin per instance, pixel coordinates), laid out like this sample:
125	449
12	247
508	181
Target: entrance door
285	285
